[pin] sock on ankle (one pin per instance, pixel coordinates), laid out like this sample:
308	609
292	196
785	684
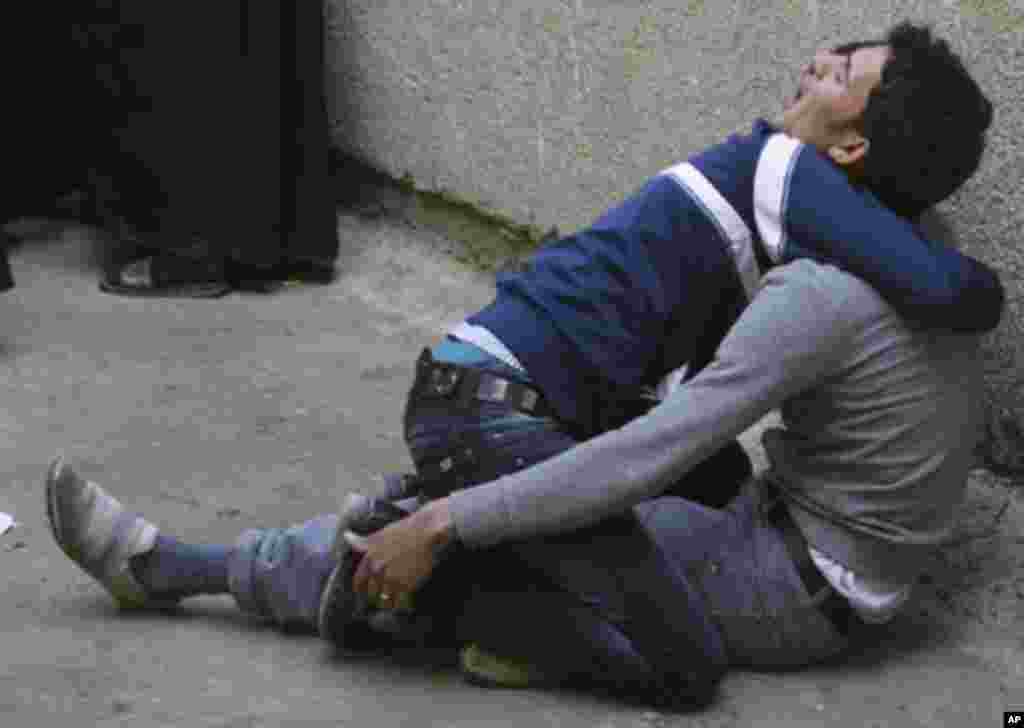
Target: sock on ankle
179	570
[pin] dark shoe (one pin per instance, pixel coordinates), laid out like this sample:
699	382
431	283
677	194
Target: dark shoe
487	670
166	275
358	629
345	617
267	279
307	272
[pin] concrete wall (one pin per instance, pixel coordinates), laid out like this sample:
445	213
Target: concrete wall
547	111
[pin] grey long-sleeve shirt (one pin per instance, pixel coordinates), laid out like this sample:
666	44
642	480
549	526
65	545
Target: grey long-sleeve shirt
880	424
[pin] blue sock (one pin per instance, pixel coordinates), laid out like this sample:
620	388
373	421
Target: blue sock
178	570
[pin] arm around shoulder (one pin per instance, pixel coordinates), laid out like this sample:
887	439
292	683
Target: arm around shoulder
806	208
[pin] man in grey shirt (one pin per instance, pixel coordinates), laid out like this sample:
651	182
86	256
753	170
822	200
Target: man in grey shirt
880	423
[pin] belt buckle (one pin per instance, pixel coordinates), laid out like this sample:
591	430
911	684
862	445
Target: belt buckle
492	388
442	380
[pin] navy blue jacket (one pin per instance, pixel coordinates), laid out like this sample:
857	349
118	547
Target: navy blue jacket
656	282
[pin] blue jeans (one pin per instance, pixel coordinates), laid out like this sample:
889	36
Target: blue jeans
740	565
601	608
655	602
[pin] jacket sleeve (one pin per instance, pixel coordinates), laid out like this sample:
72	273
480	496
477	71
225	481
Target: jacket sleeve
790	336
806	208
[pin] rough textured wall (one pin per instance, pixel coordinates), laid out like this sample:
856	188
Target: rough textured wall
550	110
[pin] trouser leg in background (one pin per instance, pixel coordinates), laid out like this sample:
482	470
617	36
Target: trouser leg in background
311	221
286	156
241	150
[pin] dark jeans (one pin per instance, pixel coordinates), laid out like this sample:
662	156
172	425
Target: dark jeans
602	605
598	608
653	604
702	537
507	441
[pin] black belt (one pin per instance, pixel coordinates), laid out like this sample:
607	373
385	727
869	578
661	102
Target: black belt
466	384
836	607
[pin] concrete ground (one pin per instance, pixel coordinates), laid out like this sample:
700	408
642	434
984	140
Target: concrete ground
212	416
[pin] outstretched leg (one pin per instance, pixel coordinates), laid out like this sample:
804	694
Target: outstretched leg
277	573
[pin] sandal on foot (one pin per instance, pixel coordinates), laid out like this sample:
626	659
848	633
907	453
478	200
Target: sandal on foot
167	275
93	529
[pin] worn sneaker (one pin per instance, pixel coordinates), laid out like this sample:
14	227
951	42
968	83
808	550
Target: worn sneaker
93	529
488	670
347	619
343	617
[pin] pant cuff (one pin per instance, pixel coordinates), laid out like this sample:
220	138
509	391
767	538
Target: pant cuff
241	577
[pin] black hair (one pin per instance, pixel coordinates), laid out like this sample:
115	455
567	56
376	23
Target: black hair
925	122
850	48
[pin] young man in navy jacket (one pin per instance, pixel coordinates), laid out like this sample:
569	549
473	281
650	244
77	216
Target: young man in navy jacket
573	346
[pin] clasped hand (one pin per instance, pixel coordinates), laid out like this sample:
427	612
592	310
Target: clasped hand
399	558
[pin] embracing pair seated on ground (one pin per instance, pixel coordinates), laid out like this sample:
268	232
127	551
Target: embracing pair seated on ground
581	513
